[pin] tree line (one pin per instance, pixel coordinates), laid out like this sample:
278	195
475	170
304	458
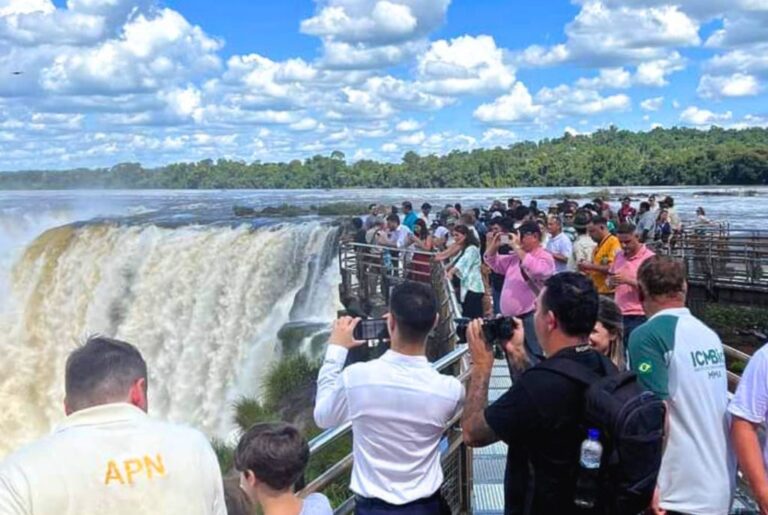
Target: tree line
609	157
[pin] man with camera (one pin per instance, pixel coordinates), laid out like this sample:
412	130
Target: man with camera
525	269
539	416
398	404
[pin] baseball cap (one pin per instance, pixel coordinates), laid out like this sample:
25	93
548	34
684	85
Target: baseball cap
530	228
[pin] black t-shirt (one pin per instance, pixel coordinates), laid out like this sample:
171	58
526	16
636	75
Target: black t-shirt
539	417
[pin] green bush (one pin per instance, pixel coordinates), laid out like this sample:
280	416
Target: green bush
287	376
342	209
734	317
225	454
250	411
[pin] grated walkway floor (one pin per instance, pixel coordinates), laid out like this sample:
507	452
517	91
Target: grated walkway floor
489	462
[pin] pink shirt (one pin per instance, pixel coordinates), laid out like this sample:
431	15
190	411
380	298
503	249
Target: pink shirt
628	297
517	298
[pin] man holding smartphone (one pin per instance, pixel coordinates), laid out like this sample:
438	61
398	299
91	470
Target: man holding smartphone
399	407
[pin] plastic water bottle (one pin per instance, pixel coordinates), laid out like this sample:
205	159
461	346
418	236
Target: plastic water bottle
587	484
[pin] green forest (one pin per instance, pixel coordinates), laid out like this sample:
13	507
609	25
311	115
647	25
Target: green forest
609	157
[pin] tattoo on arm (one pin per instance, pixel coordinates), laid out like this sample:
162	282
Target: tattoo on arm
477	432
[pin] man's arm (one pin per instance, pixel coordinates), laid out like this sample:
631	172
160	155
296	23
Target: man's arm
476	431
748	408
746	443
331	402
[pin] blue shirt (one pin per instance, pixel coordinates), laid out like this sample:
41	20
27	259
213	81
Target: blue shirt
410	220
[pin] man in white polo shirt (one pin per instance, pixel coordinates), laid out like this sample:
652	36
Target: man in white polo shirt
398	404
108	456
682	361
749	410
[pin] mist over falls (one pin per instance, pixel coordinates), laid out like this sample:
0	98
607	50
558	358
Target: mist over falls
204	305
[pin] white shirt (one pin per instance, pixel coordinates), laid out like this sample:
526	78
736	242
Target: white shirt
399	237
560	244
751	399
399	406
113	459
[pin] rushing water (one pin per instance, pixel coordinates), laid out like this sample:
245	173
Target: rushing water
202	293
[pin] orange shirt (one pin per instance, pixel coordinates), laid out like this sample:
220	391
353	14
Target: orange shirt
604	255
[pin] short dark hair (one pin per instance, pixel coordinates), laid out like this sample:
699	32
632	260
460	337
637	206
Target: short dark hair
101	371
275	452
626	228
661	276
426	205
371	206
393	218
599	220
357	223
407	204
520	212
645	205
573	299
414	307
530	228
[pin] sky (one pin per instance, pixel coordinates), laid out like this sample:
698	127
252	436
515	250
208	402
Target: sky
93	83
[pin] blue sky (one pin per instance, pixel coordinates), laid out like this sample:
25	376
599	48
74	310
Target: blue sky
159	81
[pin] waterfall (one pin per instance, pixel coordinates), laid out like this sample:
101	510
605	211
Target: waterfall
203	304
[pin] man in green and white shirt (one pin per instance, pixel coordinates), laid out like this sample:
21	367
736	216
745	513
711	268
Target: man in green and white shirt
681	360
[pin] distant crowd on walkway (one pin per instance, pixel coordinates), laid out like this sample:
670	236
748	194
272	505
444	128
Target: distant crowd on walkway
616	369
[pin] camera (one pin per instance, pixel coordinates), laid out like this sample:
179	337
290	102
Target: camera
495	330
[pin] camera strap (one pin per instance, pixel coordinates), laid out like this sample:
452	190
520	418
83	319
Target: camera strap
532	285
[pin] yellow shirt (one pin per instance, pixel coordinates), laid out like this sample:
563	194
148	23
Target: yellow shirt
604	255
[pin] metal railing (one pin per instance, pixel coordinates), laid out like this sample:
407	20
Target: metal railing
733	260
368	272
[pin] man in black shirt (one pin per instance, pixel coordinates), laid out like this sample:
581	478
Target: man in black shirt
539	417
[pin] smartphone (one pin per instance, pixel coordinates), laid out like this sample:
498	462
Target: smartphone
504	240
372	329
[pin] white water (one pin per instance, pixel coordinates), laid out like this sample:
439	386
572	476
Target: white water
202	303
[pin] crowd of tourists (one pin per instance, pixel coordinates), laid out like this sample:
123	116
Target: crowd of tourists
601	332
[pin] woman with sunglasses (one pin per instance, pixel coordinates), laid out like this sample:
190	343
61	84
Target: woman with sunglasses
466	267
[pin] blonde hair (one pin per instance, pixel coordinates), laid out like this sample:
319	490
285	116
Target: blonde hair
609	315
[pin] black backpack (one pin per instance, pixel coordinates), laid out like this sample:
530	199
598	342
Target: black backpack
631	424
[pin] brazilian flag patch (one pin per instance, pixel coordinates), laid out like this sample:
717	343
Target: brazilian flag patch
645	367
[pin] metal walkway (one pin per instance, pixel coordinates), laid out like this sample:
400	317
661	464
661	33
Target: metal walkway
489	462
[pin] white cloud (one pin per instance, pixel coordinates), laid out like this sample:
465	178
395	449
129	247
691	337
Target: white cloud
609	35
417	138
360	34
736	85
464	65
572	131
151	51
609	78
654	73
515	106
652	104
408	126
701	117
751	60
564	100
389	147
497	136
305	124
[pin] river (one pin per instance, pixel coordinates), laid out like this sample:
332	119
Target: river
202	293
